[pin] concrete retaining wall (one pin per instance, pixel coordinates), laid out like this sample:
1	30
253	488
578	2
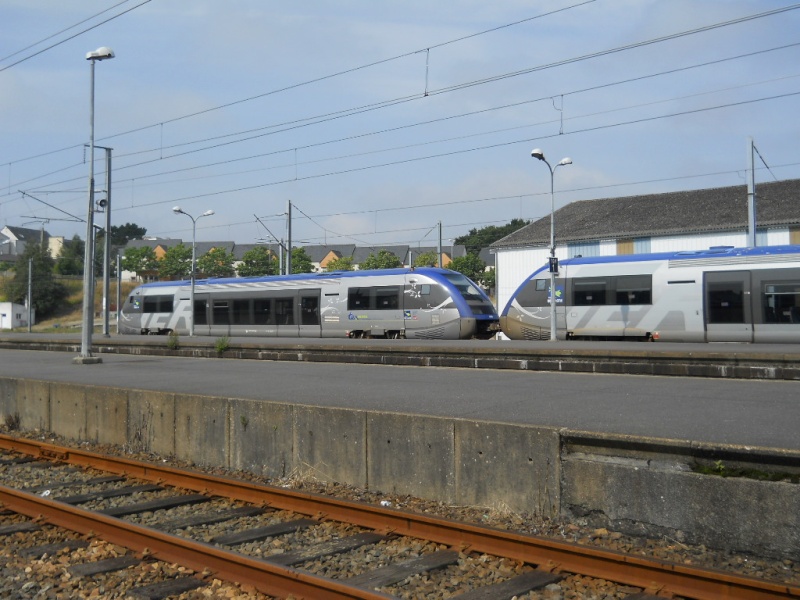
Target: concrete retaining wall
631	484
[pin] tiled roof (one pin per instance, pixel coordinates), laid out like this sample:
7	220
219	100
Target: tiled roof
695	211
25	234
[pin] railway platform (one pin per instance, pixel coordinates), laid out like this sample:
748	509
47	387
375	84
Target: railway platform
722	360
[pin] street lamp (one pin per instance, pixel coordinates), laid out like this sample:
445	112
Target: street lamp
86	357
179	211
538	153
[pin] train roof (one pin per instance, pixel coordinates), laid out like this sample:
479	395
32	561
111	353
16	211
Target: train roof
306	276
713	251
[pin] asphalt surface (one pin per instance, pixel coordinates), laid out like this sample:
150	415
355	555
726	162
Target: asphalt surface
741	412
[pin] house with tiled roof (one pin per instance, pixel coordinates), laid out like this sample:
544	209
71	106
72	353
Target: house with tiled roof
320	255
673	221
13	241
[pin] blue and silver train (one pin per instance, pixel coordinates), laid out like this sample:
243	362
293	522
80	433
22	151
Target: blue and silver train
722	294
420	303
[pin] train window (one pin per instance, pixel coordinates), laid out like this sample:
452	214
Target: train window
200	317
155	304
262	312
358	299
309	310
374	298
782	303
589	291
477	302
241	312
463	285
634	289
541	285
387	298
221	313
284	311
725	302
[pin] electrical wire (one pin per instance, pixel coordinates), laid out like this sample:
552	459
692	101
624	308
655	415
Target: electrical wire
581	131
49	37
474	149
450	117
43	50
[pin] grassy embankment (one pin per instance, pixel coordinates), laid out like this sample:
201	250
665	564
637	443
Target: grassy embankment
68	317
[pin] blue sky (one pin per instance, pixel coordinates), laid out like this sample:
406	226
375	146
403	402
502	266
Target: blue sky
377	120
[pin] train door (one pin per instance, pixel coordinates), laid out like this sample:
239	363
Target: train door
200	314
285	321
308	319
728	306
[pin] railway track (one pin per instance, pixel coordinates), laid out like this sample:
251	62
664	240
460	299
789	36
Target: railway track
290	544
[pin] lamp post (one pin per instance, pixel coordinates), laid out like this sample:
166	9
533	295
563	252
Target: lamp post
179	211
538	153
86	357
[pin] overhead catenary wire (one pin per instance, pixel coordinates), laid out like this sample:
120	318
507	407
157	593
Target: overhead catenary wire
473	149
417	124
459	86
43	50
384	150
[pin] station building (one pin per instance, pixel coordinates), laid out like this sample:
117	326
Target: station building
13	316
668	222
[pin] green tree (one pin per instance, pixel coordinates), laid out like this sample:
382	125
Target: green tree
478	239
70	259
301	261
47	293
122	234
176	263
383	260
345	263
426	259
469	265
140	260
217	262
258	262
489	281
119	238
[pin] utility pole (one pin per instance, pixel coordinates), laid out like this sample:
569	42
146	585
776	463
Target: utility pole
289	241
751	194
30	290
107	244
439	248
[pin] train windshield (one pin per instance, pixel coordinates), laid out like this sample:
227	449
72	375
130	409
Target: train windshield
476	299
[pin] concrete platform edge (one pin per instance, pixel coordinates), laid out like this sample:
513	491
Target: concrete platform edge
638	485
640	359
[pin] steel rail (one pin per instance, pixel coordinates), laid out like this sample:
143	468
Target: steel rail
198	556
650	574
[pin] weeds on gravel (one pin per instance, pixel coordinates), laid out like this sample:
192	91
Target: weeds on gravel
173	341
222	344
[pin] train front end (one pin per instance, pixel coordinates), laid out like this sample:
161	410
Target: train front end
526	316
476	315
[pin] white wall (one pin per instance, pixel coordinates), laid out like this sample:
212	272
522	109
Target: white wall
14	315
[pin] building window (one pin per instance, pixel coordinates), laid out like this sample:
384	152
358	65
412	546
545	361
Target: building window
583	249
641	245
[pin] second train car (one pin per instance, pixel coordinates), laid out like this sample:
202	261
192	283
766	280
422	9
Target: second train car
421	303
722	294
